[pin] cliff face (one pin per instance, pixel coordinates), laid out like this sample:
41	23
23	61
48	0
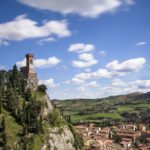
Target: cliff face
59	139
48	108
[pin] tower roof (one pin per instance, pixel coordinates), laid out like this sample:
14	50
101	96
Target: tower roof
29	54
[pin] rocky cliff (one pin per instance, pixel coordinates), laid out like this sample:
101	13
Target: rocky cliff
59	139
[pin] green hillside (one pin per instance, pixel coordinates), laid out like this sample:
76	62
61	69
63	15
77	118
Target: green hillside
113	107
22	123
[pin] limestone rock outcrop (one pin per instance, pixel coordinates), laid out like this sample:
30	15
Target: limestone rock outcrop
59	139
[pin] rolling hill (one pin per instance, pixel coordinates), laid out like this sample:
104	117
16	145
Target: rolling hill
110	107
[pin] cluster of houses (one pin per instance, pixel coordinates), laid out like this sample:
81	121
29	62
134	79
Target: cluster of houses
120	137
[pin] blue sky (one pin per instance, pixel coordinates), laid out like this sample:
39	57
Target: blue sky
83	49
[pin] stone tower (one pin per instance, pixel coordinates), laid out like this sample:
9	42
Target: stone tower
29	72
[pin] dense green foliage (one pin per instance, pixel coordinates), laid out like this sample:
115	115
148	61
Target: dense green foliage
23	126
42	88
22	109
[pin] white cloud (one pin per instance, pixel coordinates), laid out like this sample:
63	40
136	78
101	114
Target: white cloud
130	65
82	89
116	86
113	70
41	63
85	60
77	81
93	84
21	63
142	84
81	47
85	8
86	57
118	83
119	87
22	28
83	64
84	75
46	40
2	67
103	53
141	43
101	73
49	83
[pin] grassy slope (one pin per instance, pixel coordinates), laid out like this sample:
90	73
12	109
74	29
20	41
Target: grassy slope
14	130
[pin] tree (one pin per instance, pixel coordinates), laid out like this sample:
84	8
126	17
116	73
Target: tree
116	138
4	138
24	132
2	82
0	102
28	95
10	96
42	88
41	124
3	124
14	76
15	72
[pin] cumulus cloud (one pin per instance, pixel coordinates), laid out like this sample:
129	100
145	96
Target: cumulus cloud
41	63
119	87
142	84
81	47
100	73
22	28
113	70
86	57
49	83
85	89
115	86
85	60
84	64
77	81
130	65
85	8
141	43
93	84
